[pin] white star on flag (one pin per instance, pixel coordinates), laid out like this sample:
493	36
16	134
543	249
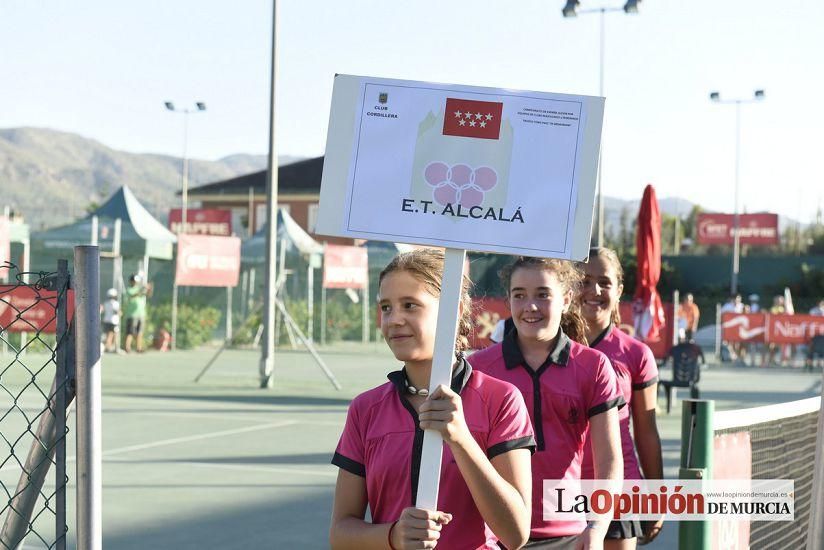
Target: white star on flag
468	115
489	117
483	124
478	115
472	123
458	114
462	122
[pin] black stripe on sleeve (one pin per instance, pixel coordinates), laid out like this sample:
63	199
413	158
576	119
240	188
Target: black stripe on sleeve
648	383
606	405
349	465
527	442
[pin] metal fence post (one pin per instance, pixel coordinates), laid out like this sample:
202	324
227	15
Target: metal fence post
61	381
89	458
696	463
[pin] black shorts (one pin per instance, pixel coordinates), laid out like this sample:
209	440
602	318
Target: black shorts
134	326
108	327
628	529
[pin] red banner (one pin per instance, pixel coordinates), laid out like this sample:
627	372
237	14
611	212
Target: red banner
213	222
486	312
743	327
773	328
207	261
752	228
24	309
345	267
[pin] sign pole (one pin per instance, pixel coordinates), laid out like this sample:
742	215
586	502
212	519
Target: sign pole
442	361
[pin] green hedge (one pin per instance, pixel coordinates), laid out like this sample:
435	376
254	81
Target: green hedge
195	324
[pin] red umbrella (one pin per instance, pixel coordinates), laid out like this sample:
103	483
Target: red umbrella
649	312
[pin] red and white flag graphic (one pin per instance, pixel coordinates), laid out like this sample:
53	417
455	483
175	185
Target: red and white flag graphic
475	119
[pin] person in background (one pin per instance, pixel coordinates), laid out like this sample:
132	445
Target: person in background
111	320
135	312
690	313
733	305
755	306
818	309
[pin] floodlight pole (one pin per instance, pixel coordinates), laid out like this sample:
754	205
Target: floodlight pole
736	237
199	107
571	10
267	358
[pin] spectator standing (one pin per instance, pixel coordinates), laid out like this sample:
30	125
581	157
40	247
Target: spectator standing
111	319
690	313
135	311
818	309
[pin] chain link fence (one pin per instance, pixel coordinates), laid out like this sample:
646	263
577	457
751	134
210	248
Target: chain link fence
36	349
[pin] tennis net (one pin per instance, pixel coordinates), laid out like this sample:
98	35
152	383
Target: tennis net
782	445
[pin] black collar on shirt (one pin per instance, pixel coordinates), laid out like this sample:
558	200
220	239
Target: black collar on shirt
514	357
460	376
601	336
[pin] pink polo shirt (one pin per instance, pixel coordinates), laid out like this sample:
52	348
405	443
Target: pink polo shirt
574	384
636	369
382	442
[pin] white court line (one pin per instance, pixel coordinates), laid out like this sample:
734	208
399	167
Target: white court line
251	468
186	439
176	440
201	415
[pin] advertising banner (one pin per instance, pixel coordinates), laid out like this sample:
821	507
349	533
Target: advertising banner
207	261
743	327
345	267
758	229
781	328
461	167
25	309
212	221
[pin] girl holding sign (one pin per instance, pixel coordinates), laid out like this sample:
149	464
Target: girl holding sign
485	473
569	390
637	379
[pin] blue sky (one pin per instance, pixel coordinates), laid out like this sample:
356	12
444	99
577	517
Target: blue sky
103	69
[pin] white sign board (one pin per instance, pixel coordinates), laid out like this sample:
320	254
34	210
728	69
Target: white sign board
461	167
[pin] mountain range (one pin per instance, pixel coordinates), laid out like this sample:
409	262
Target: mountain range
54	177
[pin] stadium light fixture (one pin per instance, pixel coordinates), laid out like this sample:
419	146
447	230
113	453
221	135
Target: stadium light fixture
570	9
715	97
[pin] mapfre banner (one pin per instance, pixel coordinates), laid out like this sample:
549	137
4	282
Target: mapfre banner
345	267
24	309
207	261
773	328
199	221
752	228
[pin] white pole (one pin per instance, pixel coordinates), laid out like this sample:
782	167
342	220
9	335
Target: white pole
600	197
173	345
267	358
322	315
442	361
310	302
88	367
228	313
736	238
93	240
675	314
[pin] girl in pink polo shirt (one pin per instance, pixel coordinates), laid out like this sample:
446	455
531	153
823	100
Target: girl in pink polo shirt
637	379
485	474
569	389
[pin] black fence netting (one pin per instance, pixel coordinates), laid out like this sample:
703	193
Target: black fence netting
35	351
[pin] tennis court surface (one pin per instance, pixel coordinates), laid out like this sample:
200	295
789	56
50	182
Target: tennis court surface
224	464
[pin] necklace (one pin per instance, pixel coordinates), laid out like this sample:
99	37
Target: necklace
423	392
